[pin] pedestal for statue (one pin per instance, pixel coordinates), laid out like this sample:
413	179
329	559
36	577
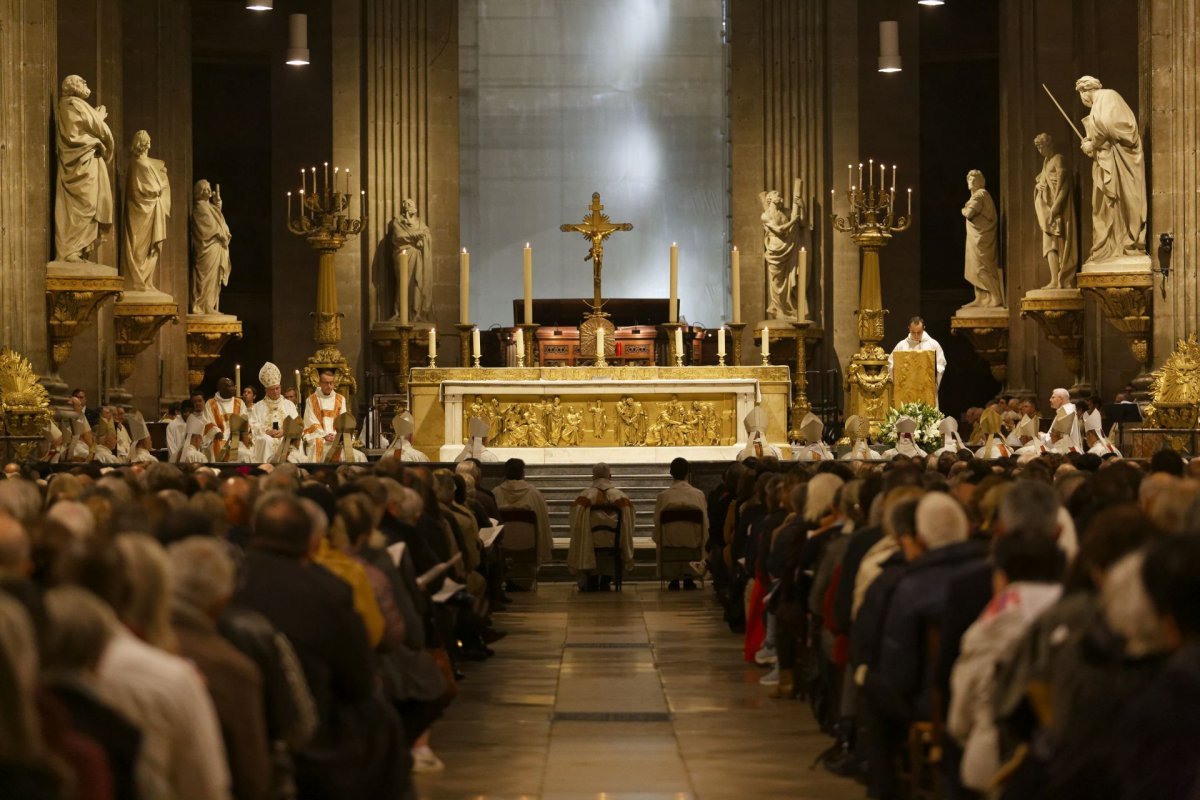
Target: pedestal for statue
74	290
1059	313
987	331
1124	288
137	316
207	335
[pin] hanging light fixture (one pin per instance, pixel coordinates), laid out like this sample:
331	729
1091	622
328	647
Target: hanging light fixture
889	46
931	2
297	52
260	5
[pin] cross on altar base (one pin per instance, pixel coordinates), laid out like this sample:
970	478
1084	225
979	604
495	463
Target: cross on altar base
596	227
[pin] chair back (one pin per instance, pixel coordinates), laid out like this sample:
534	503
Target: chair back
520	528
606	525
682	526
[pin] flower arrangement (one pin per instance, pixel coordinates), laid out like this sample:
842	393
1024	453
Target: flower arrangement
927	418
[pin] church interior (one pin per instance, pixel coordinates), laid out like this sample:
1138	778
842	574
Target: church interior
771	376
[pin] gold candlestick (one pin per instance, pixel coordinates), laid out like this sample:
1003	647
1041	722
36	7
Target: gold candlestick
800	404
871	223
736	329
528	330
464	342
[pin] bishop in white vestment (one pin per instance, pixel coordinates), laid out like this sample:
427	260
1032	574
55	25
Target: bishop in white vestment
217	411
267	417
401	446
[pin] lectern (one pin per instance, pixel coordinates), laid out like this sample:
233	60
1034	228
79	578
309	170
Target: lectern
914	377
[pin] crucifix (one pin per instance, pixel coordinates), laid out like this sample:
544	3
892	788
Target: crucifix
596	227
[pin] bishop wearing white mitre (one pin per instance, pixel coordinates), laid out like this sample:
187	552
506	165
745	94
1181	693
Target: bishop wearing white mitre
323	408
268	415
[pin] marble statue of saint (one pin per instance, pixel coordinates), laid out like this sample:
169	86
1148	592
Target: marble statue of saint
1118	173
1054	203
981	265
210	249
83	201
147	206
779	248
408	232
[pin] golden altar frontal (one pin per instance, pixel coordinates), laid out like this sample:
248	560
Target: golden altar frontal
914	377
587	414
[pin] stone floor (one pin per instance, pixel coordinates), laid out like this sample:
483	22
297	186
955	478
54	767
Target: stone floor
641	694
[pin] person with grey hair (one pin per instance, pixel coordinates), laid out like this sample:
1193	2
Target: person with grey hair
602	523
1030	507
15	549
202	582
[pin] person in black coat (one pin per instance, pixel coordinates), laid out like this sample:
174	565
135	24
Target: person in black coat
358	750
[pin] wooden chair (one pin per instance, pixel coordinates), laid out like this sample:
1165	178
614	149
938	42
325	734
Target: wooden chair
520	544
680	542
606	524
923	768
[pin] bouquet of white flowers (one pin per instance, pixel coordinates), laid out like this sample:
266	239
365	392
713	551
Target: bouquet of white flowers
927	418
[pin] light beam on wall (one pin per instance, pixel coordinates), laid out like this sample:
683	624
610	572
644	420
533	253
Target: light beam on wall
889	46
297	52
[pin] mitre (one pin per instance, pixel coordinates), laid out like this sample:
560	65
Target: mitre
269	375
756	420
812	427
402	424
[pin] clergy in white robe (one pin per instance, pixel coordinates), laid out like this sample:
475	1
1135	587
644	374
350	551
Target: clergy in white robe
1026	439
918	340
813	448
401	446
217	411
586	518
140	451
1060	401
176	436
267	417
756	436
82	439
476	448
1097	443
906	444
993	442
194	450
951	441
124	440
516	492
1060	434
105	435
324	406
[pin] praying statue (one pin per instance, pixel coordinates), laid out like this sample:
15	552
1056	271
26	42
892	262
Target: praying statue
785	286
409	233
981	265
83	201
210	248
1054	203
147	206
1118	173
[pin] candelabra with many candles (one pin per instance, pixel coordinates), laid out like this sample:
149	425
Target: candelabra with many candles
325	222
871	223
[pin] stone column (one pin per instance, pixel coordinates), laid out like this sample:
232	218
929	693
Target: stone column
410	144
346	62
843	286
28	92
157	37
1168	41
777	129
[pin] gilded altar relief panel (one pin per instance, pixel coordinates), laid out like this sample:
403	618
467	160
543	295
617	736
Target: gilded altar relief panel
610	421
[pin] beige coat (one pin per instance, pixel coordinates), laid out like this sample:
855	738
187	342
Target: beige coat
581	557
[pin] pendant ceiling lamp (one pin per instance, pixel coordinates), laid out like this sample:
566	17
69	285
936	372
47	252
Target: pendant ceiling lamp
297	52
889	46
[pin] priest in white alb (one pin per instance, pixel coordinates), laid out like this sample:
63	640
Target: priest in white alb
813	448
401	447
268	415
217	411
323	408
918	340
1097	443
476	448
757	445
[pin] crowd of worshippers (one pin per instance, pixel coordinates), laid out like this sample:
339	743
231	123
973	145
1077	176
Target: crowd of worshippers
964	628
176	632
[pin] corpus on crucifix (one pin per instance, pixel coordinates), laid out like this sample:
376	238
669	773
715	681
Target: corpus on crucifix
596	227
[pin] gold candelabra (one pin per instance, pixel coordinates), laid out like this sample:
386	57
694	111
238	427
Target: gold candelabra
871	223
324	221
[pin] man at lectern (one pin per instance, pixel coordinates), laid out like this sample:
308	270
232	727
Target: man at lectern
919	340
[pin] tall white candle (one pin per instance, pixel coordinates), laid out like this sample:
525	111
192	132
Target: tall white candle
404	278
600	343
237	380
673	311
736	264
299	394
802	266
678	342
519	340
432	343
766	342
464	288
475	350
528	284
721	341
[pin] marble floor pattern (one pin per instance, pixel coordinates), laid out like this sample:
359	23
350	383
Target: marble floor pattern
638	694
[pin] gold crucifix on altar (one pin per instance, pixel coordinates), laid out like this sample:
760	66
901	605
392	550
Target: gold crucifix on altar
596	227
